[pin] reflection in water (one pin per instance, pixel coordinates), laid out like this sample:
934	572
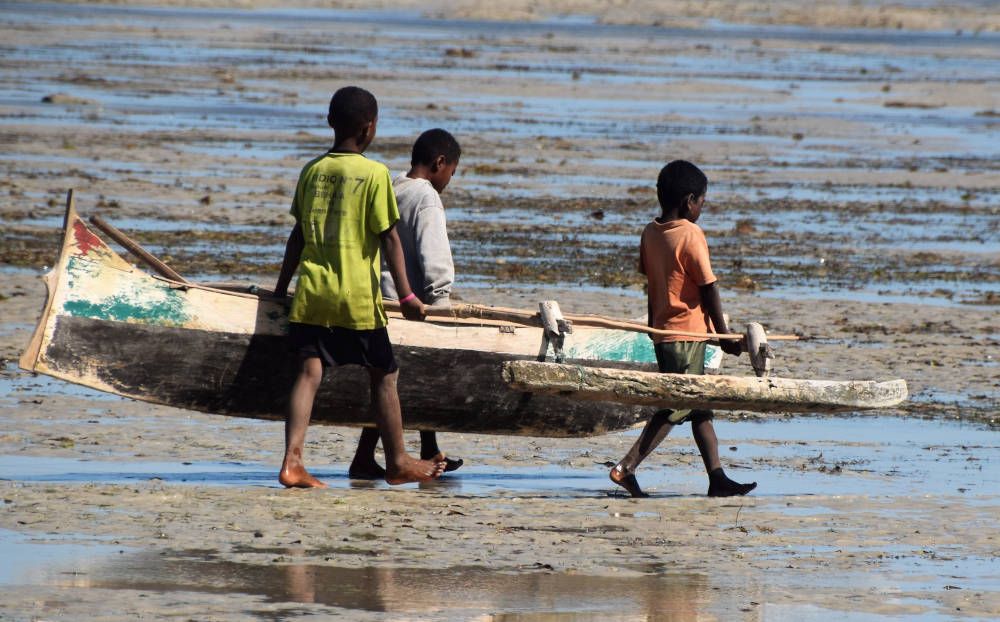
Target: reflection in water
452	593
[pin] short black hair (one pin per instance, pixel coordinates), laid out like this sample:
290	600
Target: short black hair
676	181
434	143
350	109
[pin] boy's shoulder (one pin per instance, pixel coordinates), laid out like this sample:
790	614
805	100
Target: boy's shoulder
415	189
673	234
356	163
313	162
681	226
402	180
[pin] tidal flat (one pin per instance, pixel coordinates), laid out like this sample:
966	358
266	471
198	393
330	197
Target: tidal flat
854	196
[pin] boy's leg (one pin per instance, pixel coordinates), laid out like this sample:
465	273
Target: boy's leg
652	435
719	485
293	471
428	444
400	467
703	431
429	450
674	358
364	465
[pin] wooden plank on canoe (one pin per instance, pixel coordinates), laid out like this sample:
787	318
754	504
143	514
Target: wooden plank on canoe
709	392
533	318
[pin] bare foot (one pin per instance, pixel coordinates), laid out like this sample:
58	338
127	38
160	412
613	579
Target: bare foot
296	476
412	470
626	481
371	470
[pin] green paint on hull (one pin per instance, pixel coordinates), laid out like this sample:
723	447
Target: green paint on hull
156	305
616	346
117	309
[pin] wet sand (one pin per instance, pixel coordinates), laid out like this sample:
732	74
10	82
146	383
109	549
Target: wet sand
127	508
855	198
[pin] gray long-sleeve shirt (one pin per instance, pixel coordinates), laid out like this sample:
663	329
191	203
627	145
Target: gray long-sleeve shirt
422	230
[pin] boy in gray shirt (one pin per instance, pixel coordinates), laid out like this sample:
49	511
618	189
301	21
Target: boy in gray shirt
429	268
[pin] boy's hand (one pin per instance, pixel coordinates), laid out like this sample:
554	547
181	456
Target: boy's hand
413	309
731	346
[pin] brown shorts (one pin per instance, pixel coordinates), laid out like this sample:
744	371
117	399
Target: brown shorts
343	346
682	357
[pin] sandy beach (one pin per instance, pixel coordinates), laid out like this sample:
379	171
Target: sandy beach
854	197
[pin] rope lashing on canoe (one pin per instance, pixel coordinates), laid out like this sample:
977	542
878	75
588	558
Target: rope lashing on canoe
580	376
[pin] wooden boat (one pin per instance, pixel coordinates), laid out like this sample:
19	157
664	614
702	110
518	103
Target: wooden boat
112	327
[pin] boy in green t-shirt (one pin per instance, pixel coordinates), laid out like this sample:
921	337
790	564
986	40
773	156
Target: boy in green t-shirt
345	210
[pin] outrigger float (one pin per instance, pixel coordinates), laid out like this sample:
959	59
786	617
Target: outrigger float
221	349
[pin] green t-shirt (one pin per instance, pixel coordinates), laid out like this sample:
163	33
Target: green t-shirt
343	201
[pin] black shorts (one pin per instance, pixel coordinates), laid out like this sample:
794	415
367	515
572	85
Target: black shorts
343	346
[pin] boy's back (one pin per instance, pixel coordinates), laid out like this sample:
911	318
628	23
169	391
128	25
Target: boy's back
674	257
343	201
428	268
423	232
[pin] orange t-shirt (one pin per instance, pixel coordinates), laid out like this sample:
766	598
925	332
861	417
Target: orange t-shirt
674	257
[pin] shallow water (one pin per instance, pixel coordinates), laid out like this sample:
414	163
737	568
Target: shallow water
805	457
455	593
741	93
750	81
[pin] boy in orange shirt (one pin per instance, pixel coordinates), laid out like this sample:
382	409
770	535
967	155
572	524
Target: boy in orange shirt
683	294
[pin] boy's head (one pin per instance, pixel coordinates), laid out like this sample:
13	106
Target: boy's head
436	155
681	189
353	114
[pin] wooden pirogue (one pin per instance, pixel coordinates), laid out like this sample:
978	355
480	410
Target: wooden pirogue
112	327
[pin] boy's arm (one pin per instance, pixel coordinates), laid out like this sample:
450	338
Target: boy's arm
293	253
713	306
412	309
434	252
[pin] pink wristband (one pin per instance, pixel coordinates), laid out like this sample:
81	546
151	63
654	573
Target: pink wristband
407	298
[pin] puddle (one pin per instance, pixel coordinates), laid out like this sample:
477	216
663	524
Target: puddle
117	471
33	560
534	592
812	613
882	293
12	328
484	481
135	226
17	385
456	593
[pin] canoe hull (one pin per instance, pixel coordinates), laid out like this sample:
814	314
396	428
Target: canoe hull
251	376
112	327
